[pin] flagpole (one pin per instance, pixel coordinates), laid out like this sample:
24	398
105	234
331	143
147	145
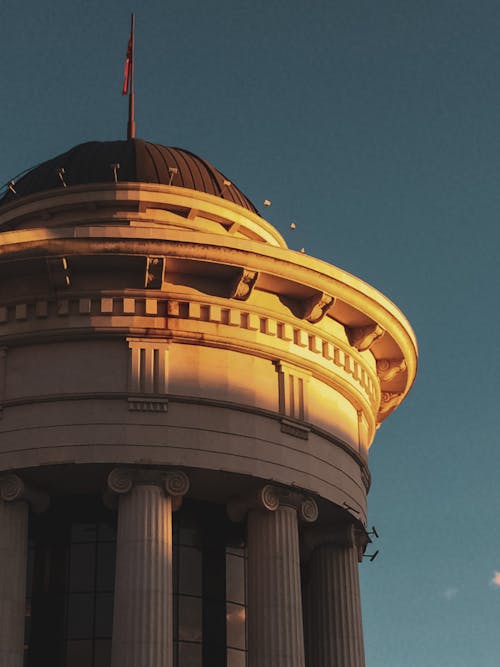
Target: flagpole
131	109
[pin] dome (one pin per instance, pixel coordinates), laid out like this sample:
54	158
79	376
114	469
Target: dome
139	161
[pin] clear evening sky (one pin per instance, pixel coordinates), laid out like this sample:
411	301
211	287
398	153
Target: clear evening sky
375	127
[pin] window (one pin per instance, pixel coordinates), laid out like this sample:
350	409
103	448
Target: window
71	570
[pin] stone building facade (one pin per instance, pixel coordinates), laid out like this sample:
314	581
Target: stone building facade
186	411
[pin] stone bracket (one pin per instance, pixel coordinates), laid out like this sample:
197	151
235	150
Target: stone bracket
387	369
155	272
58	270
12	488
389	401
270	497
362	338
317	306
243	284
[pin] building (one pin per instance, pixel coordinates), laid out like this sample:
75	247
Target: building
184	395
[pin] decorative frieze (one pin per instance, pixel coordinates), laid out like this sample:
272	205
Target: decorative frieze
85	306
41	309
63	307
129	306
327	350
21	311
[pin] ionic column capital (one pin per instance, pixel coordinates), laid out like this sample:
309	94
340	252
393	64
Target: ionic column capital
270	497
342	535
13	488
174	482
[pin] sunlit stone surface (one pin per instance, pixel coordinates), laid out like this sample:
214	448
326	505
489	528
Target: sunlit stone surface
155	324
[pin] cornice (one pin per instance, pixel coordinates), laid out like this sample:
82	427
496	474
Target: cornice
149	203
389	335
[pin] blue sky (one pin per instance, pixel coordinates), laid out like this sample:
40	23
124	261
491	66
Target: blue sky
375	127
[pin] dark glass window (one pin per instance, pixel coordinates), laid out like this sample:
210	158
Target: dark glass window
70	583
190	619
236	606
82	559
79	653
190	655
70	590
190	562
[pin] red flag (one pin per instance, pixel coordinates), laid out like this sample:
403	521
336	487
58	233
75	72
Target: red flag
128	66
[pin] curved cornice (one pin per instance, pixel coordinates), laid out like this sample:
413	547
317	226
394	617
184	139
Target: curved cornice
188	226
147	202
291	266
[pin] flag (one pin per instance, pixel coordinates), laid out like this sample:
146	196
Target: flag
128	65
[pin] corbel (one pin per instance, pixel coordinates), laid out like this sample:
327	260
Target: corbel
387	369
389	401
243	284
362	338
154	273
317	306
58	272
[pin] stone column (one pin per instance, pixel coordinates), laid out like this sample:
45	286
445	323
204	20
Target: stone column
274	613
15	498
333	606
143	611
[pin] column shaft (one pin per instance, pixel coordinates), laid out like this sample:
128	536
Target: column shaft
275	632
335	634
13	557
143	619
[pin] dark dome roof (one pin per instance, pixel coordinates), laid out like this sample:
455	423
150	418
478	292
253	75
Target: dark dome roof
140	161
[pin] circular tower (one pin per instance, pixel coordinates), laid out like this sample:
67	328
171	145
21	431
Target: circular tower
186	411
